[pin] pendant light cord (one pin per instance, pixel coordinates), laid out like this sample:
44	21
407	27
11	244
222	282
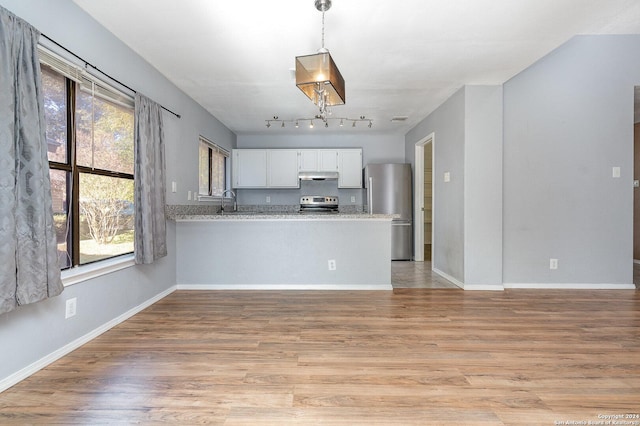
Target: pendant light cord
323	29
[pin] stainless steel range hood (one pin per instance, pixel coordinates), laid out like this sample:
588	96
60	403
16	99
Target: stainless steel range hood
318	175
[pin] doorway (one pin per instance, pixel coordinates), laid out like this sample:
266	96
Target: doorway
636	189
424	199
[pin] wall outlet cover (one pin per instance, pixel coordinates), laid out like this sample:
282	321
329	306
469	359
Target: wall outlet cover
70	307
615	172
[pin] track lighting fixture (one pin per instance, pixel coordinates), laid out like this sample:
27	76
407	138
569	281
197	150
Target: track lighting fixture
341	121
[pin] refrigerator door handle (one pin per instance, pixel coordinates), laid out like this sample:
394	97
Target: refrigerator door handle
370	195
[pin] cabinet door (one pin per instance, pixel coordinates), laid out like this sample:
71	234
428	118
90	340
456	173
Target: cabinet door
249	168
328	160
283	168
308	160
350	168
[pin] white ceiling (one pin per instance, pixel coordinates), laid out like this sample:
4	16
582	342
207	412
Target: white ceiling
401	58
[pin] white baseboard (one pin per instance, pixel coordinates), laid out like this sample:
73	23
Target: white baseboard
270	287
483	287
478	287
570	286
546	286
22	374
448	277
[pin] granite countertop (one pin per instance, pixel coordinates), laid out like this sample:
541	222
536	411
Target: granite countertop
232	216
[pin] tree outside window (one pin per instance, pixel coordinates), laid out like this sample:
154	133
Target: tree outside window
91	159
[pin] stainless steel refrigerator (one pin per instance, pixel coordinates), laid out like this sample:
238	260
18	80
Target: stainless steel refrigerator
389	191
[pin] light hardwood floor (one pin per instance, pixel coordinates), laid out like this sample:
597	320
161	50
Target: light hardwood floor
407	357
416	275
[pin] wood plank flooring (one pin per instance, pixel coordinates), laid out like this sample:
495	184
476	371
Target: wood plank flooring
409	274
407	357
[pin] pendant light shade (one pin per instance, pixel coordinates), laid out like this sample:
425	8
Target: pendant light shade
320	80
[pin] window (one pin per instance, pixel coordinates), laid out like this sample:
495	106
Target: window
91	159
213	161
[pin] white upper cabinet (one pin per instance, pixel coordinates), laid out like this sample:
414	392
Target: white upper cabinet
349	168
278	168
318	160
265	168
328	160
308	160
283	168
249	168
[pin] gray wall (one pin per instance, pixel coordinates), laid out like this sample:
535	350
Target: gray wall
483	186
375	149
568	119
448	124
467	229
35	331
286	253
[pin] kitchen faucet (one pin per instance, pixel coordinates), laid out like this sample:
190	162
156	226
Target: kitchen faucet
235	201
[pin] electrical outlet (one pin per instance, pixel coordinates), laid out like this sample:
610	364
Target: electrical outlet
174	187
332	265
553	263
70	308
353	198
447	176
189	195
268	199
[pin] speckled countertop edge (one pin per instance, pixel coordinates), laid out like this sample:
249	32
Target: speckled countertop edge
281	216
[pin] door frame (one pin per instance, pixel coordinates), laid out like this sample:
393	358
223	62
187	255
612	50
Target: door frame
418	197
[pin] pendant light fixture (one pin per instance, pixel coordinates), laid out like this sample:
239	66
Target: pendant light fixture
318	76
320	80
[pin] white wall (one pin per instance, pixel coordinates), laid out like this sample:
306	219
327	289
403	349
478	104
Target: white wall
568	119
33	332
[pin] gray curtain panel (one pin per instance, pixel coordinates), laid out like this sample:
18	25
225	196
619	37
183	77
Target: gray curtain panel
29	269
150	225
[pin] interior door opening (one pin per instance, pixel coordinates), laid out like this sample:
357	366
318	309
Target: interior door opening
424	199
636	189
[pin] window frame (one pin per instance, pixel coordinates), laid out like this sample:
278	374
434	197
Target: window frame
213	148
74	76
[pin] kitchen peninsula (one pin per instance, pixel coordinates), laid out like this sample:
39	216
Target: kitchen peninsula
284	251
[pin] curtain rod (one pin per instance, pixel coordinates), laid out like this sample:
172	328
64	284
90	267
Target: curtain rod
86	63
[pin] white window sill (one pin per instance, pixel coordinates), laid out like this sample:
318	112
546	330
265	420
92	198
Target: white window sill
212	198
82	273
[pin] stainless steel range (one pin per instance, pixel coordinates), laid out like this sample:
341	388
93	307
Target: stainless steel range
318	204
